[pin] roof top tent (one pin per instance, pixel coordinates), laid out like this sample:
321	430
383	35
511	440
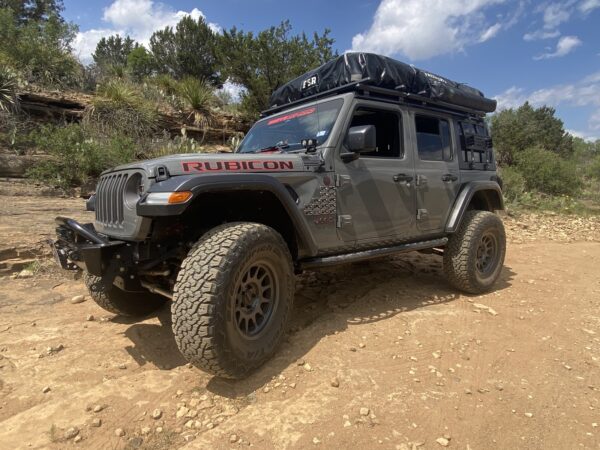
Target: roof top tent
380	75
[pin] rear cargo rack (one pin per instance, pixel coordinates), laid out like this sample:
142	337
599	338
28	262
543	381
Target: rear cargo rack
365	90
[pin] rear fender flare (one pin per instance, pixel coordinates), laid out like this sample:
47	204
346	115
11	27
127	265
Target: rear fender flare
463	199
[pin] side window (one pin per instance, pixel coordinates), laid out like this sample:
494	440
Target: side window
387	126
433	138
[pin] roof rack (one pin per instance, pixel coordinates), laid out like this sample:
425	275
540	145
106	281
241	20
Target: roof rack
366	90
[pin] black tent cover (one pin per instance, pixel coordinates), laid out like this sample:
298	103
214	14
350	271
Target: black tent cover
382	72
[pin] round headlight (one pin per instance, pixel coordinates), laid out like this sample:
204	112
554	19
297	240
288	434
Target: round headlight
134	188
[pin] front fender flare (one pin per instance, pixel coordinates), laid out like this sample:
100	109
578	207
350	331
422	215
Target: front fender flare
464	197
231	182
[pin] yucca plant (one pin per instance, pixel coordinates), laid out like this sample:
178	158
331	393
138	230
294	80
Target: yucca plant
120	106
9	100
199	99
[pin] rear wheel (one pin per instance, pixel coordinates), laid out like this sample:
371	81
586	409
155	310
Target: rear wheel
475	254
232	299
114	300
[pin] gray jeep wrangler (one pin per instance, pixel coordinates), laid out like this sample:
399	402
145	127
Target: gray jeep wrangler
361	158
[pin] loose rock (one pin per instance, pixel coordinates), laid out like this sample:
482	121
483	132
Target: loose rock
96	422
78	299
233	438
98	408
119	432
25	274
364	411
156	414
443	441
71	433
46	389
335	382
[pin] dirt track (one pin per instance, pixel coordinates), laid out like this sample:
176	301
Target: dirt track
516	368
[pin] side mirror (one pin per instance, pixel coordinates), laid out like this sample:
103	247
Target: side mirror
362	139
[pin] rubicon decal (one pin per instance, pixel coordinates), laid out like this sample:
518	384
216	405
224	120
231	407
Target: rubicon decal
237	166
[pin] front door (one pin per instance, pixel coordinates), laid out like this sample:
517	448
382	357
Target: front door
376	194
436	168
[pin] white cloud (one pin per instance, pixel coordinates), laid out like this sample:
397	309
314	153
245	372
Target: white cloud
588	6
581	94
490	32
541	34
136	18
556	13
564	46
585	135
421	30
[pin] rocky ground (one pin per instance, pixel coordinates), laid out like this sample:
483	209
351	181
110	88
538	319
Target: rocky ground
379	355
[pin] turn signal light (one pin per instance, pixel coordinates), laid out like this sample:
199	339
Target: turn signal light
179	197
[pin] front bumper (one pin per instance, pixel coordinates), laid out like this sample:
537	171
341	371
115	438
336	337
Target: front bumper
80	247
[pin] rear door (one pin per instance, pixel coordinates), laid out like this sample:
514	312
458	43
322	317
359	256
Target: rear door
436	168
376	196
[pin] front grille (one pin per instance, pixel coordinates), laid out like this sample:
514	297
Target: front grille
110	198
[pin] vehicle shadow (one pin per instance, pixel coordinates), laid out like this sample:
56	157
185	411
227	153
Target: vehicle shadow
332	300
154	343
326	302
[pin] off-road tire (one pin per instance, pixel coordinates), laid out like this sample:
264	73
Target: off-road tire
205	301
461	253
114	300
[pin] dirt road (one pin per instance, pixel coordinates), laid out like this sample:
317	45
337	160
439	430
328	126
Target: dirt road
380	355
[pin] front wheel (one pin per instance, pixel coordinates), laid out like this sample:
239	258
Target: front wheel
232	299
474	256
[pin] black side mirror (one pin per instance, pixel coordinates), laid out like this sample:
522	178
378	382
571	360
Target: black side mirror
362	139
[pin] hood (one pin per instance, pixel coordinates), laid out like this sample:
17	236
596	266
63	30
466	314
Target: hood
206	163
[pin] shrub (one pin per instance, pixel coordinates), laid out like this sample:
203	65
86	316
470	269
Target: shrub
120	107
76	157
513	186
40	50
547	172
593	168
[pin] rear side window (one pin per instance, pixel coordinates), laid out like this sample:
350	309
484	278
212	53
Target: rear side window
433	138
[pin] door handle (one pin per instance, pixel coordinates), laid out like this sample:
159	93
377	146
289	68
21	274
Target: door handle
449	177
402	177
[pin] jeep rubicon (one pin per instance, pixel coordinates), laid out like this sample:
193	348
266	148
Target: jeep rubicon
363	157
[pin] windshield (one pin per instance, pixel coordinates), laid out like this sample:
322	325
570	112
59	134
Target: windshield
285	132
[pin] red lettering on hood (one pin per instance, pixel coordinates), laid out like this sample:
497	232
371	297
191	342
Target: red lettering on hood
294	115
237	166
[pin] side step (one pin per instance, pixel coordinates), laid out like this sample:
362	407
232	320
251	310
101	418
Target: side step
326	261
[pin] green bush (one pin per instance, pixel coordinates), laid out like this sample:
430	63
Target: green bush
40	50
513	184
593	168
546	172
76	157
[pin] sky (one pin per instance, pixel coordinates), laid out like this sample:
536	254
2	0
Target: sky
544	52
